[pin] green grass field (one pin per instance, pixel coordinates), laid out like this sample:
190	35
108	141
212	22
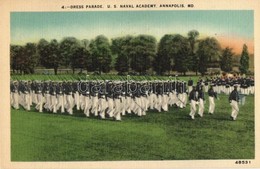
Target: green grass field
168	135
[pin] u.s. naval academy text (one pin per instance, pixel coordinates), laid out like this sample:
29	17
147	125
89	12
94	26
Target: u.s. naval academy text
125	6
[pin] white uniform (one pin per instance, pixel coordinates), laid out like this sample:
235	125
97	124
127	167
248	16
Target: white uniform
233	99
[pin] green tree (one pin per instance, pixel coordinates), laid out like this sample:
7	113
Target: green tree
31	58
208	53
164	59
85	43
121	47
43	52
244	60
79	59
101	56
193	36
24	58
182	54
68	46
50	54
16	57
142	53
226	59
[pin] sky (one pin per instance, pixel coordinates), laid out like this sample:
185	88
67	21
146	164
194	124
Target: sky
232	28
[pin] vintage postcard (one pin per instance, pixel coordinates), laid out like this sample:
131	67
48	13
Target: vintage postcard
129	84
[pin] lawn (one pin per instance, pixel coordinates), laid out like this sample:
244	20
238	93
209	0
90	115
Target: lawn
168	135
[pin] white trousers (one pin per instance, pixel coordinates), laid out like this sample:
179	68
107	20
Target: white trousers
189	89
181	100
47	102
206	88
193	108
26	104
14	100
77	100
86	105
53	106
117	112
39	102
69	104
102	107
165	102
60	104
111	107
211	105
201	107
235	109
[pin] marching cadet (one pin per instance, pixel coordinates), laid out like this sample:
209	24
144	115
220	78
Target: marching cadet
223	85
165	99
123	98
86	103
248	83
144	94
190	84
212	94
214	84
29	83
185	96
226	87
14	95
252	85
236	82
206	84
201	99
152	98
128	97
110	98
181	96
137	100
60	97
117	101
94	98
47	96
159	92
102	100
11	96
53	97
76	95
231	84
233	100
34	97
69	99
193	101
173	95
219	86
243	86
26	96
39	96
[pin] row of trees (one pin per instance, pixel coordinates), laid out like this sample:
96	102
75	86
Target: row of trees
129	53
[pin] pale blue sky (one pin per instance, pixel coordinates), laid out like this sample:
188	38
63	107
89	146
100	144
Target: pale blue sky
32	26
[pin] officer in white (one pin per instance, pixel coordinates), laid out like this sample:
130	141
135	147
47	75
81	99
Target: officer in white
60	98
39	96
14	95
53	106
201	98
193	101
190	84
26	94
233	100
212	94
